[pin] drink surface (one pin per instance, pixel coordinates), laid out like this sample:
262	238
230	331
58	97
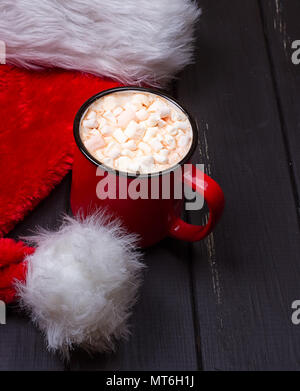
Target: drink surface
136	132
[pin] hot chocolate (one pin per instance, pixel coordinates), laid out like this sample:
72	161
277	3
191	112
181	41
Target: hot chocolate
134	131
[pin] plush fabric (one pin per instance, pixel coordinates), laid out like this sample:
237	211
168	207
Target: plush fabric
81	283
12	268
36	138
131	41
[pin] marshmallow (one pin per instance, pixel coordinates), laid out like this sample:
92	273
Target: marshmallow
153	119
134	166
120	136
110	117
141	99
145	147
177	116
127	152
156	144
108	161
181	125
117	111
125	117
112	150
159	107
109	102
133	130
170	141
150	133
146	162
106	130
122	163
184	141
92	115
160	158
95	142
90	123
130	145
142	114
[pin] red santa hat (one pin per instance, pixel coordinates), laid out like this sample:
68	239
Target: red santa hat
76	289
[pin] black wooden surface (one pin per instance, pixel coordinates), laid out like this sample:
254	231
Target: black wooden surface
223	303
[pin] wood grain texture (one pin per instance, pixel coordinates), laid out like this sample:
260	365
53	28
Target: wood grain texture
246	273
281	27
22	346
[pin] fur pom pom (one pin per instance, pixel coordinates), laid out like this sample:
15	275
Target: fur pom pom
132	41
81	284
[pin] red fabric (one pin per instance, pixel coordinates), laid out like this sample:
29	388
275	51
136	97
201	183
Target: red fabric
37	111
12	267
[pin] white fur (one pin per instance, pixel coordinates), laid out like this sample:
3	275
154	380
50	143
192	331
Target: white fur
81	284
144	41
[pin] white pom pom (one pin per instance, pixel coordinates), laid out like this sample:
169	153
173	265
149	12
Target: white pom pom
81	283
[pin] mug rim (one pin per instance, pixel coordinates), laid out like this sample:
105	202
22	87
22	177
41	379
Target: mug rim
89	156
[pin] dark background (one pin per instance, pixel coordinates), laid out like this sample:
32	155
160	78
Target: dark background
223	303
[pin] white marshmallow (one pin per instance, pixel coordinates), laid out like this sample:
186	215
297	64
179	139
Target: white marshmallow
183	141
172	130
127	152
134	166
117	111
181	125
160	107
146	162
92	115
177	116
109	102
122	163
106	130
109	116
142	114
102	122
160	159
150	133
108	161
90	123
170	141
153	119
95	142
156	144
113	150
145	147
125	117
133	130
120	136
130	145
141	99
99	155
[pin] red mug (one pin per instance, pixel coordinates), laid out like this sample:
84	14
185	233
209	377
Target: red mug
152	218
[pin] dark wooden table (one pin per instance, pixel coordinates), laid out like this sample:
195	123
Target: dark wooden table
223	303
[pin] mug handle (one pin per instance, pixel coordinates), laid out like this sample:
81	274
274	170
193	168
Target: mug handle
214	197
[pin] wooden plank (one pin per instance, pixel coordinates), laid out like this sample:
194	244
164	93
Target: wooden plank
22	346
246	274
281	26
162	322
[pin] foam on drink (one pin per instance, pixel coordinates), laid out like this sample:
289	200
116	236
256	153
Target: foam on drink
135	131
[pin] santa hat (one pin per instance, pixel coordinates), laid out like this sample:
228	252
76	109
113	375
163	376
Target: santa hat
81	282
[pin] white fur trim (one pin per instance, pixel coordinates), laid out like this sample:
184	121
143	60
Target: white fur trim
81	284
132	41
